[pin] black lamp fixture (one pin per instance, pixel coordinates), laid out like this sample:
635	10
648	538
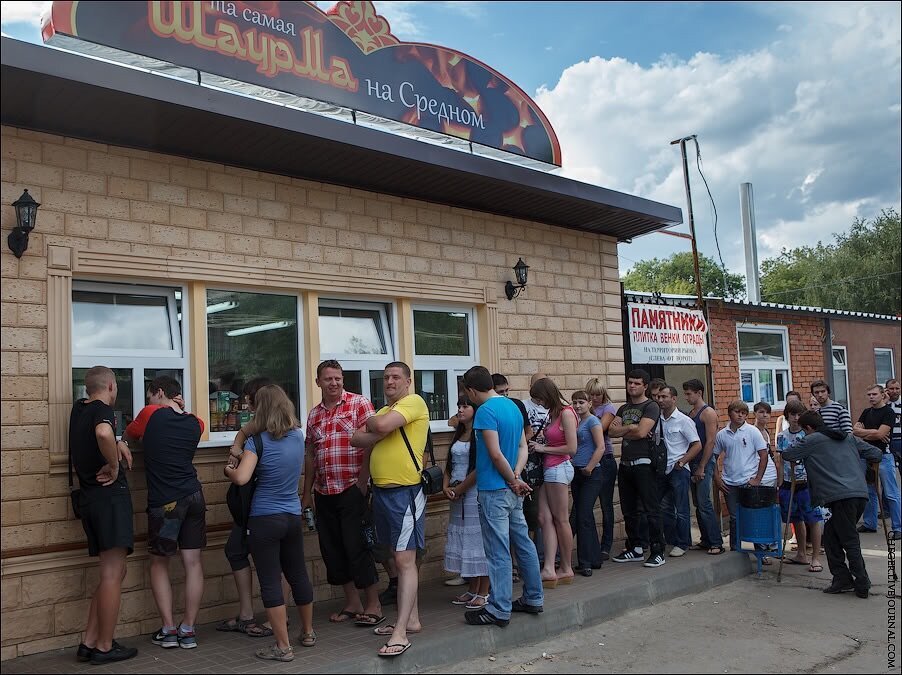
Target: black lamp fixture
26	213
521	269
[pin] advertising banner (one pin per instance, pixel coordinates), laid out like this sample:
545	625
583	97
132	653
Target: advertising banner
348	57
667	335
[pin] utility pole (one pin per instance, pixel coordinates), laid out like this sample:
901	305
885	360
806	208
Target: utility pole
698	279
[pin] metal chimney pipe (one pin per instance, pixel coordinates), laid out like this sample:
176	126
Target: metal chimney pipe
749	235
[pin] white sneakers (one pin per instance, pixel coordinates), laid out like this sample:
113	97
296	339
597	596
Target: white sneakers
455	581
676	552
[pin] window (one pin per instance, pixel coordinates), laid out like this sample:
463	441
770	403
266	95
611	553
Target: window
444	348
840	376
885	365
357	335
764	372
249	335
135	330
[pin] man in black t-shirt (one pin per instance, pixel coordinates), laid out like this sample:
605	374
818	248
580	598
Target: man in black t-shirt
105	507
634	423
176	511
875	425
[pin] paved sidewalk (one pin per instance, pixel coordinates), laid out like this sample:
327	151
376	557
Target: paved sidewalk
446	639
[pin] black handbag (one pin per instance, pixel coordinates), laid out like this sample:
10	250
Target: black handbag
240	497
533	473
430	477
657	448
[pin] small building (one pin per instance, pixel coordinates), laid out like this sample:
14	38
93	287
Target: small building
760	351
214	234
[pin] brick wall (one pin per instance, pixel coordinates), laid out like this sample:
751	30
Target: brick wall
94	196
860	338
806	349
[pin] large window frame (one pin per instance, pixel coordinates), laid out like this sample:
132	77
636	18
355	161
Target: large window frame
368	365
892	364
218	438
140	360
841	375
453	366
752	372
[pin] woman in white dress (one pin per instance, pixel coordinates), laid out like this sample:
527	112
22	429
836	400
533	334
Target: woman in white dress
464	553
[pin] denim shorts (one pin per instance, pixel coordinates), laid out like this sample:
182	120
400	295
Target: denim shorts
562	473
802	509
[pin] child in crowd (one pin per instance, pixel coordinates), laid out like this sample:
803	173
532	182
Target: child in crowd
806	518
464	552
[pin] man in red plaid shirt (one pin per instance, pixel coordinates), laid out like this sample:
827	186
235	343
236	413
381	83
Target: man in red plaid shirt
335	485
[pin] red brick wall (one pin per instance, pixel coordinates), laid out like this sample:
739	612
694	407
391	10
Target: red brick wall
806	349
860	338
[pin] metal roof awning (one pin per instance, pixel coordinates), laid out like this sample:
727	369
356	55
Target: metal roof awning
59	92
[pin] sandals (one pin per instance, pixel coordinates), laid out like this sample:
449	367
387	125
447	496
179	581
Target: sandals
716	550
389	629
464	599
347	614
249	627
478	601
815	568
308	639
273	653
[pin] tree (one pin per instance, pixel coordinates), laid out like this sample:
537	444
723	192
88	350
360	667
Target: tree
860	271
676	275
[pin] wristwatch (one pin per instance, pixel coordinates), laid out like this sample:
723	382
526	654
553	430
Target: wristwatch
122	440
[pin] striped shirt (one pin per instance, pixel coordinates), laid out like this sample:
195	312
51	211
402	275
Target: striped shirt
836	417
897	408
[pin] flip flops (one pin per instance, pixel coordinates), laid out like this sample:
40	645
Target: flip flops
793	561
337	618
369	619
716	550
387	630
815	568
404	648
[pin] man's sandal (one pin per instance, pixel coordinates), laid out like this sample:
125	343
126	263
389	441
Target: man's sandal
308	639
249	627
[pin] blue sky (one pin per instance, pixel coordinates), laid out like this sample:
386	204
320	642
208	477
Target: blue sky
800	99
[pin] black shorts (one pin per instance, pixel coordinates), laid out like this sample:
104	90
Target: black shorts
236	549
181	524
107	517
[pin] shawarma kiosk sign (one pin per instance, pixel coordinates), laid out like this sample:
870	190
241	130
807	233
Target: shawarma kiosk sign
347	56
667	335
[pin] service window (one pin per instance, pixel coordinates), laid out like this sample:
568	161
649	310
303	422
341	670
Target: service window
764	370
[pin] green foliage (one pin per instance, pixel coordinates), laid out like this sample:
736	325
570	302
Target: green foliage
861	271
676	275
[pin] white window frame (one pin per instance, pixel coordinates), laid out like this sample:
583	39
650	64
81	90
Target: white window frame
892	363
453	365
217	438
773	366
842	369
138	360
365	363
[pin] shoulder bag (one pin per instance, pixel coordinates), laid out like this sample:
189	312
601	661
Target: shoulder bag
430	477
240	497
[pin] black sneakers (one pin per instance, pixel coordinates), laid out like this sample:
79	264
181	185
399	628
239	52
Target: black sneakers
84	652
836	587
390	595
482	617
863	593
117	653
628	555
654	560
519	606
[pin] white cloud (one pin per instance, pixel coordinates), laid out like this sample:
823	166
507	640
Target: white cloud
22	12
812	120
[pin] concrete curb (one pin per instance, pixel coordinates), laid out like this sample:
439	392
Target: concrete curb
603	604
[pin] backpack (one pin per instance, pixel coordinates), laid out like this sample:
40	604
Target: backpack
658	449
240	497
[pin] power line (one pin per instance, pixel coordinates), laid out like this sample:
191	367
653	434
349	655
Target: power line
833	283
698	164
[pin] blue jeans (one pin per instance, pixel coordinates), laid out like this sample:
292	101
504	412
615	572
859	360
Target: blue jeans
890	496
708	523
606	499
503	526
673	490
585	491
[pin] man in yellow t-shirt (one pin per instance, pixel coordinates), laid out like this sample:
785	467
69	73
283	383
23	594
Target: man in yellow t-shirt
399	504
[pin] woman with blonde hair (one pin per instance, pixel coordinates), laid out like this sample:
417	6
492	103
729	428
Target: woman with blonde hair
554	495
605	410
275	532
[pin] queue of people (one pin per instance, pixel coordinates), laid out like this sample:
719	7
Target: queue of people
511	470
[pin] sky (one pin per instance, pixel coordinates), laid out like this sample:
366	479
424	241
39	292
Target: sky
800	99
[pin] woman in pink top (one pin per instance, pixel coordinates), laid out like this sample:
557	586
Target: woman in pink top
558	446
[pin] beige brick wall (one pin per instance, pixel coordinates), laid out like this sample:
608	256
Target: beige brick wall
107	198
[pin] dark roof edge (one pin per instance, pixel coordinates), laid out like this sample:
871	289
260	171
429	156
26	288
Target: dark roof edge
74	67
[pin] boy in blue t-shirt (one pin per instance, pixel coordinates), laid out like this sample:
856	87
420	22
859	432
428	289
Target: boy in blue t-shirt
806	518
500	457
